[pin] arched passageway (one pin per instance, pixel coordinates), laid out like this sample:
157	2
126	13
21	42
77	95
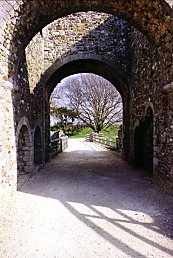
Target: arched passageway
80	64
143	143
150	68
38	150
24	155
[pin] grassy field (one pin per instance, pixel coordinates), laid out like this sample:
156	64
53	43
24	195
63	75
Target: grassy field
110	132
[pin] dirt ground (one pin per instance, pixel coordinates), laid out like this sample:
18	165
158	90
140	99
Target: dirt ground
88	203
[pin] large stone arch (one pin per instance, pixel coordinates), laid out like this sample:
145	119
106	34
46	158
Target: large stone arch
87	64
154	19
111	52
21	20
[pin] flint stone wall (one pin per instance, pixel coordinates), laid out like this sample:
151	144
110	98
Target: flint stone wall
87	33
150	73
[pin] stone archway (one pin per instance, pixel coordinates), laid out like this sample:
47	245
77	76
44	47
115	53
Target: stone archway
87	64
38	150
143	142
151	18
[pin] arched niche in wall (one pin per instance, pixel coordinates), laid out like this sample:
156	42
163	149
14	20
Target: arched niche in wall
38	151
24	151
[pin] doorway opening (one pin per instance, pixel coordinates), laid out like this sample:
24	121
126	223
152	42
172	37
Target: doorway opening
24	151
37	147
143	143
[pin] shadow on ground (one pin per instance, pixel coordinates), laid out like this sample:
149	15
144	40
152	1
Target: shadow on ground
115	201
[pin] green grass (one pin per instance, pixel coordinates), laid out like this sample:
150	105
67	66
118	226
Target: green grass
110	132
82	133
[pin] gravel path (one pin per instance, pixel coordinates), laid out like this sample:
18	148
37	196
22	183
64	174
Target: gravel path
88	203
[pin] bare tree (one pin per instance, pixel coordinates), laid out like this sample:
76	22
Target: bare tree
96	101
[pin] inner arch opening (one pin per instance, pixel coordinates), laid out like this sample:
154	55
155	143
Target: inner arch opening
99	67
86	102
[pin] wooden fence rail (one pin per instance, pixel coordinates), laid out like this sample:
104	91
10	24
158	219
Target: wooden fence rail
106	141
58	145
